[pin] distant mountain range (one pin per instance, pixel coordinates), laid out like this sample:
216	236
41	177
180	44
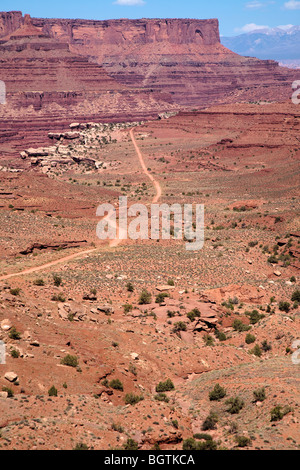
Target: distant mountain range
278	44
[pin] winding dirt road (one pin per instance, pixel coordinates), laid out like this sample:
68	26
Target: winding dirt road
113	243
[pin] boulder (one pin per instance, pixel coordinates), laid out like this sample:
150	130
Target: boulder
11	376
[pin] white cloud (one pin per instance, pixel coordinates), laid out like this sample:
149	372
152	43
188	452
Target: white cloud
129	3
285	27
248	28
256	4
292	5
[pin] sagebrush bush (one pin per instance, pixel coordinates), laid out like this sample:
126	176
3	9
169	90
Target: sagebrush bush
68	360
217	393
166	386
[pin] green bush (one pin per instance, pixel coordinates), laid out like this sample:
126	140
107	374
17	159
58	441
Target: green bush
210	422
255	316
296	296
243	441
116	384
131	399
129	287
15	291
145	298
278	413
14	334
39	282
208	340
166	386
70	361
217	393
259	394
162	397
52	392
127	308
9	391
284	306
81	446
265	346
14	353
221	336
160	298
179	326
250	338
57	280
256	351
239	326
131	445
236	404
58	298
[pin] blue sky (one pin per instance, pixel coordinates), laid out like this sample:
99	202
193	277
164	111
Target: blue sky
235	16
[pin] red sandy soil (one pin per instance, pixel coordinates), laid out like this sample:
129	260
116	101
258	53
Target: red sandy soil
242	162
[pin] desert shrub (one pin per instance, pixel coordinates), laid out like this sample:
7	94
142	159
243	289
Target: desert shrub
272	259
166	386
217	393
179	326
243	441
256	351
162	397
127	308
236	404
221	336
284	306
207	444
160	298
14	334
171	282
131	399
57	280
293	279
250	338
52	392
278	412
259	394
69	360
202	436
252	244
117	427
9	391
16	291
265	346
189	444
14	353
208	340
296	295
39	282
255	316
210	422
239	326
116	384
193	314
58	298
81	446
129	287
131	445
145	297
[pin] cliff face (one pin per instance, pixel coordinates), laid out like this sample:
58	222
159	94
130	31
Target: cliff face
9	22
144	31
182	57
125	69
